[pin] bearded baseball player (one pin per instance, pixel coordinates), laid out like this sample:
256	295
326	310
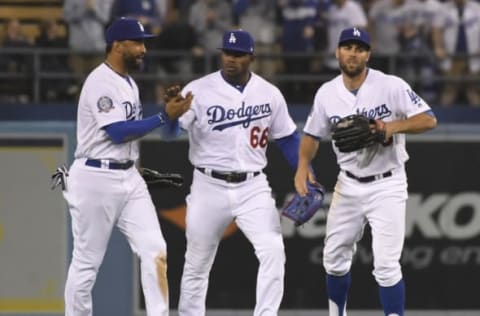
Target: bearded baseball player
367	113
232	116
104	188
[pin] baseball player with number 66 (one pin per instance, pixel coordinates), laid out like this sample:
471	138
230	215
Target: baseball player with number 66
233	114
367	113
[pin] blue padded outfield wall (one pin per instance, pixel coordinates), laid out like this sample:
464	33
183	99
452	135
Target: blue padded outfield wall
30	246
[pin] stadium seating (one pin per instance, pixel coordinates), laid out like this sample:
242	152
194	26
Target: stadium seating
30	13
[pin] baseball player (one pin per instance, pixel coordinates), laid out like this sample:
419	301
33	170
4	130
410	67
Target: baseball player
233	114
372	184
103	188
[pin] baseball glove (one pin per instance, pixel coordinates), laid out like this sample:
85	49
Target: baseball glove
157	179
301	208
356	131
171	92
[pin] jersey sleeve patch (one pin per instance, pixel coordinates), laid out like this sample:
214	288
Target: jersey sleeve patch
105	104
414	98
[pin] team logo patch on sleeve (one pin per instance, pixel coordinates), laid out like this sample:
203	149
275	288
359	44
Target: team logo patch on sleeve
105	104
414	98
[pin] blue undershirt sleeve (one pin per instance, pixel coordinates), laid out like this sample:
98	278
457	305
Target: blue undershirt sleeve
171	129
124	131
289	147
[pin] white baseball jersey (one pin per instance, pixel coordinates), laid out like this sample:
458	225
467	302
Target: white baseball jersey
381	96
107	97
229	129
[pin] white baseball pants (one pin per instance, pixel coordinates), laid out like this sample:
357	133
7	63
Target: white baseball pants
98	200
211	206
381	204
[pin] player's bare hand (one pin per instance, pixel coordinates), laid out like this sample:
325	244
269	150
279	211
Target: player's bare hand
301	178
383	128
178	105
387	130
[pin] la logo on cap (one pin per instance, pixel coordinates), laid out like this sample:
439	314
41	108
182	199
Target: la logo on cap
356	32
141	26
232	38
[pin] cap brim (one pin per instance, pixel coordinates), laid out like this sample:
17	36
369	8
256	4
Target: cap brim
354	40
143	37
235	50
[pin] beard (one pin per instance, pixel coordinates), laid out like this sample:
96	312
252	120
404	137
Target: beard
132	62
350	71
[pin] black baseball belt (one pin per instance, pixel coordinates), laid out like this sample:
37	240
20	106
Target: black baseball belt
108	164
230	177
371	178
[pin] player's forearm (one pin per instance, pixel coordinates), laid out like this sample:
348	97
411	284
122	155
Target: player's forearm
416	124
307	151
120	132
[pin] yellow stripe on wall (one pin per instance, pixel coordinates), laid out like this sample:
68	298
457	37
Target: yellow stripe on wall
31	305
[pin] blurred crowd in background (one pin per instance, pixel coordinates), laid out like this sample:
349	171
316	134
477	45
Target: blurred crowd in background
434	45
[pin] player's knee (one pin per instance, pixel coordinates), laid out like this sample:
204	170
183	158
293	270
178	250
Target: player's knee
87	262
152	245
82	276
388	273
270	247
199	256
270	252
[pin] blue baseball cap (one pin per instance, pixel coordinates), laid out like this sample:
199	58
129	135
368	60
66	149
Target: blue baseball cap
124	29
354	34
238	41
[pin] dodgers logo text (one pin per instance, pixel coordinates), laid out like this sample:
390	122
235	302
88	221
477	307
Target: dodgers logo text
224	118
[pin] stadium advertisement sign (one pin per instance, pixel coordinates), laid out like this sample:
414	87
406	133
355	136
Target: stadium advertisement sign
441	257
